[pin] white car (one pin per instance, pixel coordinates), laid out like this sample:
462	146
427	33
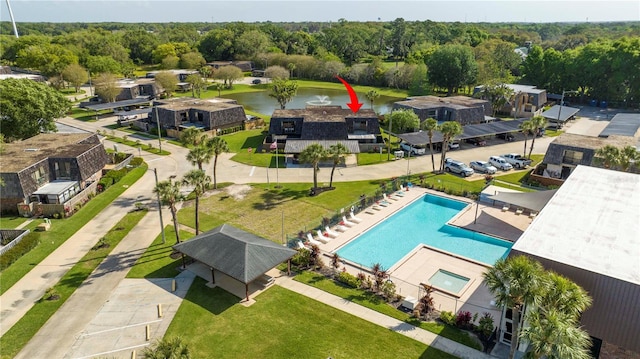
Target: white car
483	167
414	150
500	163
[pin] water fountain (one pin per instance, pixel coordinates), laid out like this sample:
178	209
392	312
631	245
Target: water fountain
321	101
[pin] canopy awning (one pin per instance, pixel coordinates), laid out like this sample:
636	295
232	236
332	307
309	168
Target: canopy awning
469	131
56	187
297	146
117	104
534	201
559	113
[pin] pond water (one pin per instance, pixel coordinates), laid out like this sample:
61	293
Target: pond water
262	103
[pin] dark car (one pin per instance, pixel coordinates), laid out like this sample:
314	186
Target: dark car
509	137
476	141
256	81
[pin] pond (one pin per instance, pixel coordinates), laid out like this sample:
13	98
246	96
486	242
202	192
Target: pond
262	103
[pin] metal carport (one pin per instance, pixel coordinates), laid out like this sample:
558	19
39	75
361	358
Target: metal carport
469	131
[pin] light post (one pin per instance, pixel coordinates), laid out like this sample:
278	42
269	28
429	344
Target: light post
159	133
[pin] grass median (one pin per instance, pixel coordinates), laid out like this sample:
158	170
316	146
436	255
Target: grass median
20	334
156	262
62	229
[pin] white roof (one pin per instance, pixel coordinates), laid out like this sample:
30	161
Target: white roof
592	222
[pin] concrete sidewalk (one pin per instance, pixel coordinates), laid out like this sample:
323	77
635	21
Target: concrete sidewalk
59	333
408	330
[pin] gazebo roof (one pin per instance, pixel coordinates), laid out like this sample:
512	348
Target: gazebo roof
234	252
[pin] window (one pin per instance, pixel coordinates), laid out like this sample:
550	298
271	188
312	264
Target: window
359	125
288	126
62	170
572	157
38	175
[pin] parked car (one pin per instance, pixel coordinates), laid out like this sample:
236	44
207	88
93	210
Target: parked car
483	167
452	146
414	150
509	137
128	117
476	141
500	163
457	167
256	81
516	160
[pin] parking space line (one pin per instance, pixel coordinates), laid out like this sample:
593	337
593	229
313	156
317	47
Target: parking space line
114	351
123	327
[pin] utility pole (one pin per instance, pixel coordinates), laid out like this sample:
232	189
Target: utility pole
155	172
159	133
13	21
389	151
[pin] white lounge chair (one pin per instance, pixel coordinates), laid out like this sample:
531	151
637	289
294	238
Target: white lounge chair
519	211
331	233
300	245
347	222
354	218
376	207
533	214
322	238
341	228
505	208
384	195
383	203
313	241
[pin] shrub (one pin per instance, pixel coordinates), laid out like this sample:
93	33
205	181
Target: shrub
302	258
105	182
485	325
51	294
463	320
120	156
448	318
116	174
389	290
348	279
136	161
27	243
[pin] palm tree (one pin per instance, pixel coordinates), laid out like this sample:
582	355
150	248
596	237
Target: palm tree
337	153
170	195
564	295
430	125
515	282
629	156
291	66
609	156
313	154
449	129
173	348
372	95
538	123
217	145
200	154
554	334
192	136
527	127
200	182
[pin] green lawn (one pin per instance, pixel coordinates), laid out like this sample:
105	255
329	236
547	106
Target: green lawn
358	88
144	147
87	115
20	334
371	301
283	324
155	262
11	222
62	229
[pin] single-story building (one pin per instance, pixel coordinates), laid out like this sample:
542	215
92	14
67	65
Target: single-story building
588	232
50	168
463	109
232	252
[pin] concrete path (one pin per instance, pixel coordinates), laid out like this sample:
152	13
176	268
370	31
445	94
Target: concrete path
408	330
18	299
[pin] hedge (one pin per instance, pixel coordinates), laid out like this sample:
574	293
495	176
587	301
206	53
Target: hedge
28	242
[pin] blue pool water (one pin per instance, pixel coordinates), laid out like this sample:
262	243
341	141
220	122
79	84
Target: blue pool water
423	221
448	281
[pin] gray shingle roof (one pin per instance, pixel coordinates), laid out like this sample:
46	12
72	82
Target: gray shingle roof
234	252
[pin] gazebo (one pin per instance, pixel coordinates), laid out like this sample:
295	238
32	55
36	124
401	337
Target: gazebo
241	255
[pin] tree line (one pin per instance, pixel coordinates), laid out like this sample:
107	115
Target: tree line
597	60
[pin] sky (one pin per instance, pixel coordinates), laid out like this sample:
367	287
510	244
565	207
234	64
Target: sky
322	11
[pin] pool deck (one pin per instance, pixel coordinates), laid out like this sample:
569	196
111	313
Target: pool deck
423	261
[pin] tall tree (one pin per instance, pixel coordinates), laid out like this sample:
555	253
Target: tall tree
200	154
515	282
538	123
228	74
218	146
192	136
526	127
430	125
403	120
283	91
200	183
450	130
197	84
629	156
608	156
106	87
372	95
313	154
337	154
170	195
28	107
553	334
168	81
191	60
452	66
76	75
276	72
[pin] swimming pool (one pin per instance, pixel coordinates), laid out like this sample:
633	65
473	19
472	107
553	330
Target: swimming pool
423	221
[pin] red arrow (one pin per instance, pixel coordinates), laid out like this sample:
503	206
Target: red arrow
354	105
